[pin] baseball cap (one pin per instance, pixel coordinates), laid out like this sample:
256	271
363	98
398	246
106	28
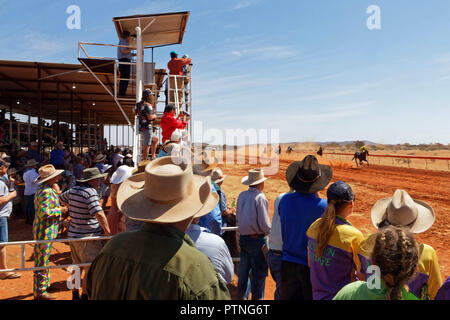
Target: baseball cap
340	191
173	53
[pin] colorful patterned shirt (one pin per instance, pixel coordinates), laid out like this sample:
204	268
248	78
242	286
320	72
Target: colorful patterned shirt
427	280
48	213
339	262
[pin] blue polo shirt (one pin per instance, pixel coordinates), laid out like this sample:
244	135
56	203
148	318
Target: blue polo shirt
297	212
57	157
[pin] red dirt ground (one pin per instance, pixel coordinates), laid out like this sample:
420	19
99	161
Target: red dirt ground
369	184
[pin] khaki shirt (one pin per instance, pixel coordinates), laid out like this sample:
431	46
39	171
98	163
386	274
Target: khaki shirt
156	262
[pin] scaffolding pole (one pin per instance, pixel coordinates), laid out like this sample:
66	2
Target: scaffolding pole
139	67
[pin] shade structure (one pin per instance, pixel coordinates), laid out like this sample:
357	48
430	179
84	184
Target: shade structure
157	29
19	88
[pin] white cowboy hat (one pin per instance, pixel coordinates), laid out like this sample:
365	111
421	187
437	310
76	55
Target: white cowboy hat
166	192
123	172
176	135
402	210
255	176
47	172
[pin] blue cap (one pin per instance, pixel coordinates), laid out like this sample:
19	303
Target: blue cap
173	53
340	191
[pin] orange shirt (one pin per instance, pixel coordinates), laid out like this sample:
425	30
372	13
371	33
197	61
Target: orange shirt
176	65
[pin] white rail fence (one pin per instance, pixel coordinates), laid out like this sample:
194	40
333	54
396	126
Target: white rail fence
68	240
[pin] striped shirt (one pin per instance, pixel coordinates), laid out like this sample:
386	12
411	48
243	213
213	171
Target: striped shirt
84	203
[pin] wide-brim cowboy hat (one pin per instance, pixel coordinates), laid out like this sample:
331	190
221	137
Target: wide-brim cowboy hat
100	158
31	163
255	176
91	174
203	165
217	175
402	210
166	192
46	173
308	176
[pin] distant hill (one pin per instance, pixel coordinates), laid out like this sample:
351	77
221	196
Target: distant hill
342	143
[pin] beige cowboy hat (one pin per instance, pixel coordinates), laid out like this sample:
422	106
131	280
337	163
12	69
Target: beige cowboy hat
47	172
402	210
100	157
142	165
166	192
255	176
217	175
31	163
203	165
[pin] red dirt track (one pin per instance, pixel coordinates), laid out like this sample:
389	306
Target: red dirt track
369	184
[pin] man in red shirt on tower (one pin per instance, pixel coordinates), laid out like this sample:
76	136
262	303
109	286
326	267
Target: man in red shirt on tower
169	123
175	67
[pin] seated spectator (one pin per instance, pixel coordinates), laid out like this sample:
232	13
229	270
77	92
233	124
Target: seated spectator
169	123
333	244
215	248
172	147
417	216
33	153
159	261
117	158
396	253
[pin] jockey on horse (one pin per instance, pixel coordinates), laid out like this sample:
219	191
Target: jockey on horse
361	155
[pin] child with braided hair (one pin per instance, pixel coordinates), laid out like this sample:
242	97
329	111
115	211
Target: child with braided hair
417	216
333	244
396	254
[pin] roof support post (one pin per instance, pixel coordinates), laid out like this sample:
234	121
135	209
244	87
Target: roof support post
89	128
71	121
29	127
139	67
39	126
57	111
10	121
81	127
109	140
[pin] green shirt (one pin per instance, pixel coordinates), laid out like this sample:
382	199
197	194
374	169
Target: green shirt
157	262
358	290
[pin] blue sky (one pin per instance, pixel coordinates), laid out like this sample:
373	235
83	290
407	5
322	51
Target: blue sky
311	69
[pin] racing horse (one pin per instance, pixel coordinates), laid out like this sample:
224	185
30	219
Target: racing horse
361	156
289	150
320	151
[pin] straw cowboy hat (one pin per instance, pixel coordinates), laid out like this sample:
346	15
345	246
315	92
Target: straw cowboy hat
255	176
47	172
142	165
91	174
308	176
217	175
203	165
402	210
31	163
11	171
166	192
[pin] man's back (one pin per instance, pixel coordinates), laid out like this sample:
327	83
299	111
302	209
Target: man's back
156	262
297	212
175	65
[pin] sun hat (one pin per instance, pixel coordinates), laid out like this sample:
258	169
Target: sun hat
255	176
91	174
123	172
146	93
11	171
104	167
217	175
166	192
142	165
47	172
204	165
308	176
3	155
340	191
31	163
402	210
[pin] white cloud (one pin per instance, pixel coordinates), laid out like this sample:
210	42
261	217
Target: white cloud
271	52
246	4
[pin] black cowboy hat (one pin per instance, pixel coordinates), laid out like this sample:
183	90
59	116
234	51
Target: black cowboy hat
308	176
